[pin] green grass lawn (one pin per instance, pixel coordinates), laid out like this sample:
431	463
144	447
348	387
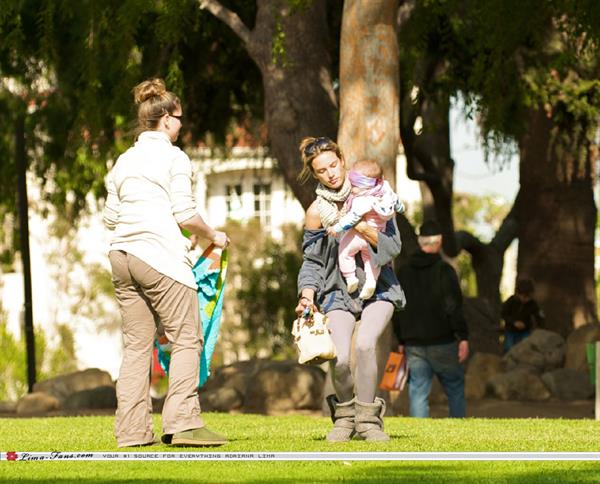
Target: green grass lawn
305	433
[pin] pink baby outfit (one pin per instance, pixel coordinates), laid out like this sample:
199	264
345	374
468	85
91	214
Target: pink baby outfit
375	206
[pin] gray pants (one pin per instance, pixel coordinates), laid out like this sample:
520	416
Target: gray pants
142	294
374	319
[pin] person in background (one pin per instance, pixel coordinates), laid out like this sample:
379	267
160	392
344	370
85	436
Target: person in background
521	314
149	202
432	330
355	409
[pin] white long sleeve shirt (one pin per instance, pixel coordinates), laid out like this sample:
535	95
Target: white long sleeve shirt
149	193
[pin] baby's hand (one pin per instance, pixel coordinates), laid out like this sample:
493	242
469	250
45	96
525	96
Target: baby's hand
331	231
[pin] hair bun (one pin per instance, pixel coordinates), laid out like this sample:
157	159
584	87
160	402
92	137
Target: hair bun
148	89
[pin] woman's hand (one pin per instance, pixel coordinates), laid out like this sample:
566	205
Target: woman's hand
197	226
331	231
369	233
220	239
303	303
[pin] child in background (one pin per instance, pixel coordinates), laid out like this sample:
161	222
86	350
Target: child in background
372	200
521	314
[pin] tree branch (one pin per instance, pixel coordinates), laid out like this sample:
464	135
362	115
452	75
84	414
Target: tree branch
503	238
467	241
229	18
408	116
508	230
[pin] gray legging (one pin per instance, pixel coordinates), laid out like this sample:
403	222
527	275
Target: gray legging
375	317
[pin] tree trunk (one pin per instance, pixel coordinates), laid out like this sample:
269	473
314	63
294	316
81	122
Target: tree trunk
429	162
427	151
290	45
369	109
432	148
557	221
488	259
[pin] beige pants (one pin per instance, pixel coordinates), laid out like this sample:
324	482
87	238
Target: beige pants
144	295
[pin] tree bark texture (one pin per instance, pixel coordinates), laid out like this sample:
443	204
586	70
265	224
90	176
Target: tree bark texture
369	77
557	220
290	45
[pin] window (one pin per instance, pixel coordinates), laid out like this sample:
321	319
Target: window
233	201
262	203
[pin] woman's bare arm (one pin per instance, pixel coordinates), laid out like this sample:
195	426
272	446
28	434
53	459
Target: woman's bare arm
313	219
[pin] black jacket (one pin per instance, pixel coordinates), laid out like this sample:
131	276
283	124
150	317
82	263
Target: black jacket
529	312
433	312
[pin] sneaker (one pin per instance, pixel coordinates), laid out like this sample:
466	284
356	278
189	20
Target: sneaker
201	437
368	290
352	283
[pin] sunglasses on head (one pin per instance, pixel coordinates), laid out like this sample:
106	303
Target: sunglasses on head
317	145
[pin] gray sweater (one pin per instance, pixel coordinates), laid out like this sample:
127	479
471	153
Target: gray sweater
320	271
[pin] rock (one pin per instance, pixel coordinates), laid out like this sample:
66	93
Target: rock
99	397
221	400
569	384
484	327
263	386
37	403
518	385
542	351
284	386
234	375
63	386
482	366
8	407
576	343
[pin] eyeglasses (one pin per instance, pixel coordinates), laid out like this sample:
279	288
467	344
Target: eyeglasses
322	143
178	116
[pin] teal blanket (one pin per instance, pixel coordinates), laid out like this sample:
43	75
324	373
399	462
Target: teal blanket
210	272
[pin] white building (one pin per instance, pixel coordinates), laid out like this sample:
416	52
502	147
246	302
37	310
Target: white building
246	184
241	186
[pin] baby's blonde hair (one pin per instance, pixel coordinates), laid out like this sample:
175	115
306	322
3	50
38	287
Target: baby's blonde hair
369	168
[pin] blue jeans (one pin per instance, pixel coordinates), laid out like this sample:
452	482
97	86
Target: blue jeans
442	361
511	338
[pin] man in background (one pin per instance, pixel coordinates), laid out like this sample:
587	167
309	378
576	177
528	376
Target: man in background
432	330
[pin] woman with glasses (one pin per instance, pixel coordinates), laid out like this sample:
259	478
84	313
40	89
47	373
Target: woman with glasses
149	201
355	409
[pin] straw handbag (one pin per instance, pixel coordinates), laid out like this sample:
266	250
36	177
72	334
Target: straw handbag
312	338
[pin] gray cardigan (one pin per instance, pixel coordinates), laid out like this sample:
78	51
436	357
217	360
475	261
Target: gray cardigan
320	271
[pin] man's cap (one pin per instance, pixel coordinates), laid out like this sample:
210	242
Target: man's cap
429	228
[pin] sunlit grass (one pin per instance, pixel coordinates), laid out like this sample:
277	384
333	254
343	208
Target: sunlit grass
305	433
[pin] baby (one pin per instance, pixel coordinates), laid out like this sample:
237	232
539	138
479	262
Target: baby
372	200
